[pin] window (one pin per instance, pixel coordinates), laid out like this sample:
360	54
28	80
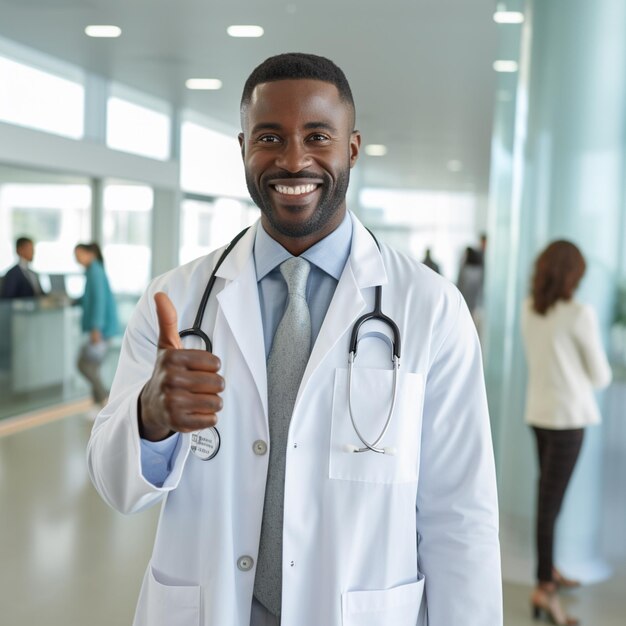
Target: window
137	129
211	224
127	236
41	100
55	215
415	220
210	162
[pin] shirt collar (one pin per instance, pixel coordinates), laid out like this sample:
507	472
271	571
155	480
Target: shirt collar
23	263
330	254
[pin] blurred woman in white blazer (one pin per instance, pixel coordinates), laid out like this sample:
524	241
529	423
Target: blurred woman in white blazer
566	362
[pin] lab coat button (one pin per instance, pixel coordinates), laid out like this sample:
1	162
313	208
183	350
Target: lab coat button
259	447
245	563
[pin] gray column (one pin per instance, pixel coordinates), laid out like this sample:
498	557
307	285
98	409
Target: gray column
165	230
96	95
97	210
166	213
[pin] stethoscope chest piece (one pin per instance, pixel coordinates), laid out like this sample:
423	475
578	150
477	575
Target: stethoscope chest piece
206	443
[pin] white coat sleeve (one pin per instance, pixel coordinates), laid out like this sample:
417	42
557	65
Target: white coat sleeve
587	333
457	510
114	449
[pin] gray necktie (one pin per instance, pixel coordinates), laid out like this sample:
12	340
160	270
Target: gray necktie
285	367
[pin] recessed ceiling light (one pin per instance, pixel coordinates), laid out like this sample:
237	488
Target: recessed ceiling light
203	83
103	30
242	30
375	149
508	17
505	66
454	165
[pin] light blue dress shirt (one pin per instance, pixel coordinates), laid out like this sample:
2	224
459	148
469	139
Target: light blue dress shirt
327	257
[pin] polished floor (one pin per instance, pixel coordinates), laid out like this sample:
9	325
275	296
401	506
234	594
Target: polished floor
66	559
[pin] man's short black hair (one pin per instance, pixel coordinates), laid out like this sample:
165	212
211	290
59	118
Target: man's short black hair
297	65
20	241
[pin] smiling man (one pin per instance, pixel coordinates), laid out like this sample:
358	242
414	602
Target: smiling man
301	484
298	158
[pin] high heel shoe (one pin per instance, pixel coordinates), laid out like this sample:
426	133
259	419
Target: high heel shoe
563	581
546	603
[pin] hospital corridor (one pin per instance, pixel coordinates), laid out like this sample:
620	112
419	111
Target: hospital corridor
312	314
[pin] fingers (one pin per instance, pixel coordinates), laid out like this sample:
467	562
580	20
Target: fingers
192	360
194	382
190	412
168	322
184	403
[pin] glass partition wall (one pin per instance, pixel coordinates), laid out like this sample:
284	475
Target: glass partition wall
40	337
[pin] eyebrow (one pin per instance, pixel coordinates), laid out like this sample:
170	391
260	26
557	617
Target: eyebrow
308	126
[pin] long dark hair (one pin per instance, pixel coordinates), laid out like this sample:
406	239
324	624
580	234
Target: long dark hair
558	270
92	247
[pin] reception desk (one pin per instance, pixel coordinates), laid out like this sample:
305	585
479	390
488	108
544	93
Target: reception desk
41	340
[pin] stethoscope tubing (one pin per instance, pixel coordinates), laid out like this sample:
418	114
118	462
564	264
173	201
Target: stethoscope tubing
373	445
196	330
375	314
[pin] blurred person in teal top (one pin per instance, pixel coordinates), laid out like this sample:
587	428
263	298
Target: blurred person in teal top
99	318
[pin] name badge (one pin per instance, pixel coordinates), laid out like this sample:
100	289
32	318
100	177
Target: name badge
205	444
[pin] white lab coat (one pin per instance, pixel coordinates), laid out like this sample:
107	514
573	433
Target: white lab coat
369	539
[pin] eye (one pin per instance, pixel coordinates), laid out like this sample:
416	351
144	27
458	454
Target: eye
268	139
318	137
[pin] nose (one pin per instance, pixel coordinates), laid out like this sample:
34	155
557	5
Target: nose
293	157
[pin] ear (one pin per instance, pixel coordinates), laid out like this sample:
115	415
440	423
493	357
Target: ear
355	147
242	145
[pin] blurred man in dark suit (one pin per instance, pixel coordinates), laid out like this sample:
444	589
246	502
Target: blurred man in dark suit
21	281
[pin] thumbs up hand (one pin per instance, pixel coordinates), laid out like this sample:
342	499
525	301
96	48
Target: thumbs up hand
182	394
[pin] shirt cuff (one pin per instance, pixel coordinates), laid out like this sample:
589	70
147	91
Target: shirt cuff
157	458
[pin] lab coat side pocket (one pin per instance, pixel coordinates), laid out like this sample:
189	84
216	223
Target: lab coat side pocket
164	605
372	391
398	606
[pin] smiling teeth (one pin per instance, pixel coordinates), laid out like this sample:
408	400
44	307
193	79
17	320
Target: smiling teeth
295	191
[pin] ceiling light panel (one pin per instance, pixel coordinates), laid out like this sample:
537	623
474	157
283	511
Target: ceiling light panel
206	84
103	30
508	17
243	30
375	149
505	66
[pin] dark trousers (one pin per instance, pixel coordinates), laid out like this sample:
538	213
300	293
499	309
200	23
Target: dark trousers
557	451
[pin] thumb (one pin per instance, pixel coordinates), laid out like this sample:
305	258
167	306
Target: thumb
168	322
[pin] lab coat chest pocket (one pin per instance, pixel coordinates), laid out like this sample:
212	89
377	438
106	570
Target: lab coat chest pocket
170	604
371	399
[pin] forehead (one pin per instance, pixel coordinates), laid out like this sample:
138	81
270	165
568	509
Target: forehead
296	102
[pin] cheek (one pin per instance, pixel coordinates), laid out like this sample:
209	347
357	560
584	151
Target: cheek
256	163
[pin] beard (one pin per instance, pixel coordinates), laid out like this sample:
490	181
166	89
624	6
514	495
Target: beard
331	200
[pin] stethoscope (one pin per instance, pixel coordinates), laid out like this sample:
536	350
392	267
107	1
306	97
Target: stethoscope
207	445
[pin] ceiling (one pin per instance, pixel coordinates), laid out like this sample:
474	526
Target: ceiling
421	70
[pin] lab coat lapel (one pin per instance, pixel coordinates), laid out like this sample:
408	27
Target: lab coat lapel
364	269
239	302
